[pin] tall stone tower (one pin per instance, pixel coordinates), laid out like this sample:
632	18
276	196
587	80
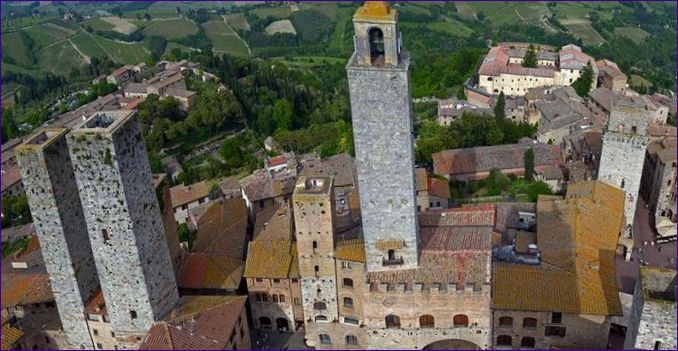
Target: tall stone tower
379	86
60	224
314	222
623	155
124	222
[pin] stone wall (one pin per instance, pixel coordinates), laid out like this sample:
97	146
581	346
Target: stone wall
581	331
101	332
355	271
271	309
653	320
515	85
53	198
125	226
621	165
441	303
383	135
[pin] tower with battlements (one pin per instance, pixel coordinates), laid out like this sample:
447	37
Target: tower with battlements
60	224
124	222
379	86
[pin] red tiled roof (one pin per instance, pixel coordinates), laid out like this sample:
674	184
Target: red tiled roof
438	187
25	289
96	304
185	194
496	62
199	323
10	176
474	215
206	271
120	71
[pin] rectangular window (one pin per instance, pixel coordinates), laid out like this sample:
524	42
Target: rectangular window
554	331
264	297
349	320
99	346
95	332
106	234
259	280
133	314
282	298
295	280
276	281
556	317
47	339
275	298
257	297
297	301
112	334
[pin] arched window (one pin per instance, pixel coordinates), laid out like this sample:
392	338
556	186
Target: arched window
348	282
264	322
391	255
320	306
317	270
527	342
460	321
315	246
426	321
376	37
351	339
392	321
348	302
320	318
506	322
530	323
504	340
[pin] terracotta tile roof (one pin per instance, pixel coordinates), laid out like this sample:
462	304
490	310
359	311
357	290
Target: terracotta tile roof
577	238
157	179
206	271
96	304
485	158
603	96
496	62
420	179
10	335
571	57
25	289
222	228
438	187
342	167
199	323
270	259
473	215
182	194
351	250
10	176
453	254
275	223
120	71
610	68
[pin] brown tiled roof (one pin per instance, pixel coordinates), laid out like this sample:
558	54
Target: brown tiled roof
577	238
178	92
486	158
182	194
199	323
10	335
610	68
571	57
420	179
25	289
207	271
275	223
269	258
438	187
96	304
603	96
222	228
10	176
120	71
473	215
496	62
351	250
458	255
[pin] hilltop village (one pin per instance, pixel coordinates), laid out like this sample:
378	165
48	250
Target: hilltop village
364	251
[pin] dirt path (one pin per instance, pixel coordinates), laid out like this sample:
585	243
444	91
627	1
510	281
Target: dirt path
84	57
249	52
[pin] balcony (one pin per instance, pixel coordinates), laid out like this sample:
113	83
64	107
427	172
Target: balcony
392	261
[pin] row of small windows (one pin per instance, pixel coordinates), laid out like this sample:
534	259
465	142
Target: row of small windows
427	321
507	340
350	339
262	297
529	323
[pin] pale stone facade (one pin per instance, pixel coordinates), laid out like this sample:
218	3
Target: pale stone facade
379	87
653	317
623	154
52	193
274	303
124	222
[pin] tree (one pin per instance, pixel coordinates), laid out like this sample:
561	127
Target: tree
530	59
538	188
583	84
282	114
528	160
480	15
147	16
186	235
500	108
461	95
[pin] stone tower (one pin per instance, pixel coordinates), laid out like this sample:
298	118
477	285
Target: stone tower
314	222
623	155
60	224
124	222
379	86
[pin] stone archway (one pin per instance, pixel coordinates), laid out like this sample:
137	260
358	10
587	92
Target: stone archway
282	324
452	344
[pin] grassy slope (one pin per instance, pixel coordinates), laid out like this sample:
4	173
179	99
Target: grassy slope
171	29
224	39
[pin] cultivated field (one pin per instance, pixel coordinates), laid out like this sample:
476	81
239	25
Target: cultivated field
276	12
451	28
88	45
60	58
171	29
224	39
281	26
120	25
237	21
634	33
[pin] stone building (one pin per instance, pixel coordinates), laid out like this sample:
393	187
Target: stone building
658	183
502	70
124	222
562	292
624	143
432	193
379	89
99	324
186	197
653	317
610	76
53	196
